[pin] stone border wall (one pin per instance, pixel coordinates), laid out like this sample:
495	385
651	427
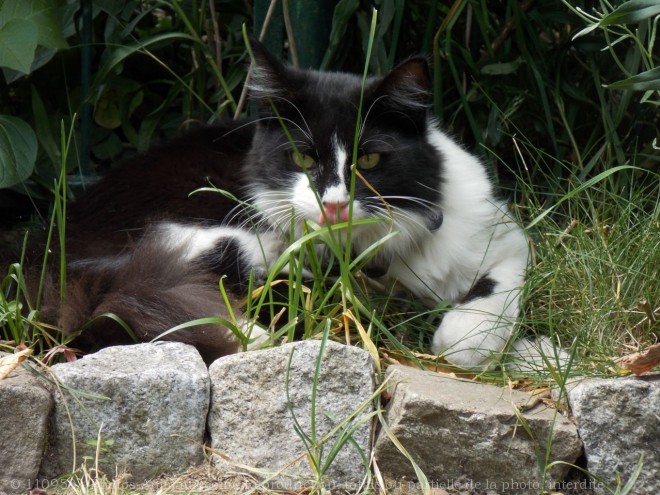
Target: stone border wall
154	403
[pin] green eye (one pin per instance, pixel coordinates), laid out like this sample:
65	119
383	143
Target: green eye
370	160
303	161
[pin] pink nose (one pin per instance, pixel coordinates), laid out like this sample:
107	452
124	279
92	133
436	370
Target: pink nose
335	212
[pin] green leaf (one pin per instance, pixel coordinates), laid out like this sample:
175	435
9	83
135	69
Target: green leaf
109	148
501	69
18	150
43	129
107	111
631	12
44	15
19	41
120	98
646	81
344	10
121	53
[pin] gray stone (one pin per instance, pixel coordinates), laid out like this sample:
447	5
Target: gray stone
619	421
469	431
26	405
148	401
252	423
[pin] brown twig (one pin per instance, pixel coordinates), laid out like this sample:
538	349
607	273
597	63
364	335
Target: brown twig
565	233
262	34
509	26
217	41
644	305
293	49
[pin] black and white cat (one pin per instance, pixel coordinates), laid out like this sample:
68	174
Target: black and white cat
141	247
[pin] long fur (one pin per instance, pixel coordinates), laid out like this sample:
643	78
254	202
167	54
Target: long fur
143	248
151	288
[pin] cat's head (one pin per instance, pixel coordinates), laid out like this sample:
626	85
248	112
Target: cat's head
307	131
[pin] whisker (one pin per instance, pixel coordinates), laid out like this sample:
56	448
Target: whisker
236	129
385	143
307	134
366	115
424	204
399	215
430	188
413	199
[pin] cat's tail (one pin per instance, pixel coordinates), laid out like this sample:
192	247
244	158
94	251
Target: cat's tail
149	288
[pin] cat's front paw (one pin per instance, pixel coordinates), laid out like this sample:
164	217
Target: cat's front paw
471	338
259	275
537	355
256	335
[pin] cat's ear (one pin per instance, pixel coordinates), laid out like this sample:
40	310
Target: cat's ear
408	85
269	76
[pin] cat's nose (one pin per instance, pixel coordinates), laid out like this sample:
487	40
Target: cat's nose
334	212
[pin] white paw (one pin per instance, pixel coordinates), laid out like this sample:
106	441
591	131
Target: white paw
471	339
534	355
257	335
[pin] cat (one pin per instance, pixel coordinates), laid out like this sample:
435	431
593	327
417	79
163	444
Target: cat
142	247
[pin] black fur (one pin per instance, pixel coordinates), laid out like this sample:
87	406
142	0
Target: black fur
483	287
151	290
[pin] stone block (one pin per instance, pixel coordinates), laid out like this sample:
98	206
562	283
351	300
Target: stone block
148	401
25	406
619	422
252	421
469	431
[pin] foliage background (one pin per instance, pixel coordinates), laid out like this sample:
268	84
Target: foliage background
501	69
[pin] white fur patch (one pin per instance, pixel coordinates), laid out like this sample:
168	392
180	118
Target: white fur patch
477	237
193	241
337	193
341	157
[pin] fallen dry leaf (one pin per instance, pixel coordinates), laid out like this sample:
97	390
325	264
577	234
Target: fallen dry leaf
11	362
641	362
562	408
529	385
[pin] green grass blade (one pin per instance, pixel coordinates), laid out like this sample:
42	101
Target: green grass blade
585	185
645	81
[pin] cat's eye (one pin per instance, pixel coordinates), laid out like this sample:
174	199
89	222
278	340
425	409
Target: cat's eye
370	160
303	161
